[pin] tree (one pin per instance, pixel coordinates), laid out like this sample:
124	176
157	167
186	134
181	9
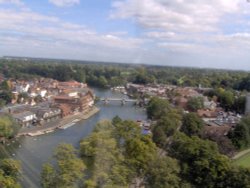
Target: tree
7	126
68	171
22	97
10	171
240	135
2	103
6	96
48	176
166	126
7	181
239	104
195	103
226	99
236	177
105	159
5	85
157	108
139	152
201	163
192	124
163	172
159	136
11	167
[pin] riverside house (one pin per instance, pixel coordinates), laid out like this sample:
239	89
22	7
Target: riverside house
25	118
74	101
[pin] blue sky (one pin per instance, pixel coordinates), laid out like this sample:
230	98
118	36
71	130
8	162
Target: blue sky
208	33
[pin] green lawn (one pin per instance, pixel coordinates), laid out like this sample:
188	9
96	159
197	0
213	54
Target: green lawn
243	161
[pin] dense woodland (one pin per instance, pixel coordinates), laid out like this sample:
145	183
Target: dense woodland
104	75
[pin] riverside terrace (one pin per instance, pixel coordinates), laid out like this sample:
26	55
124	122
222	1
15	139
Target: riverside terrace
51	104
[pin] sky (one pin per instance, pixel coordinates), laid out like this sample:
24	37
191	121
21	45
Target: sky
197	33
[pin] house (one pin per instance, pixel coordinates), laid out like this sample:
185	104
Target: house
71	84
211	105
181	102
25	118
45	115
72	103
219	131
208	114
22	88
66	109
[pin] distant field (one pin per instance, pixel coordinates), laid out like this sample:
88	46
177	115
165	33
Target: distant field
243	161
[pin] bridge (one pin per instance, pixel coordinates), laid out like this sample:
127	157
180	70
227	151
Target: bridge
122	100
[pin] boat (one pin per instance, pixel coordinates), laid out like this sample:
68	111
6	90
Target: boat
76	120
67	125
49	131
37	133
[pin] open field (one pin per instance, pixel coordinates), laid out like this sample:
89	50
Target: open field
243	160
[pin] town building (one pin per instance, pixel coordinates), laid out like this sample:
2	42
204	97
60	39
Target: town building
73	102
25	118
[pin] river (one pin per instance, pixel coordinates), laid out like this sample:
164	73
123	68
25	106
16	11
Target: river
33	152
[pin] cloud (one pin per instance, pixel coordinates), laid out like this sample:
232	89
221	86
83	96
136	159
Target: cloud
172	32
64	3
16	2
27	33
178	15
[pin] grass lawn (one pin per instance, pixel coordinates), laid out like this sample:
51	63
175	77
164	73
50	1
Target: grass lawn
243	161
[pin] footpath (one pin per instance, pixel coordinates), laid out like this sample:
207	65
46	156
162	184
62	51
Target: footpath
51	126
240	154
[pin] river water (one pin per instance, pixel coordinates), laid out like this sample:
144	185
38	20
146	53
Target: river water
33	152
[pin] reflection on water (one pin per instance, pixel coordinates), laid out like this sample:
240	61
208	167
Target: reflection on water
34	151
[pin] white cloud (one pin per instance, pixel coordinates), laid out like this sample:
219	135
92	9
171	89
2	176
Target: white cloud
41	35
176	15
64	3
176	32
16	2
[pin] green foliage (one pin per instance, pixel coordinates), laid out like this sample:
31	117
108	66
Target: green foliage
8	128
157	108
119	74
192	124
195	103
244	84
163	172
108	168
201	162
117	154
239	104
68	171
48	176
22	97
236	177
9	173
139	152
229	100
240	135
226	99
166	126
5	86
10	167
6	96
2	103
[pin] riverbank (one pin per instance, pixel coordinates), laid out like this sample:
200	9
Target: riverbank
52	126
